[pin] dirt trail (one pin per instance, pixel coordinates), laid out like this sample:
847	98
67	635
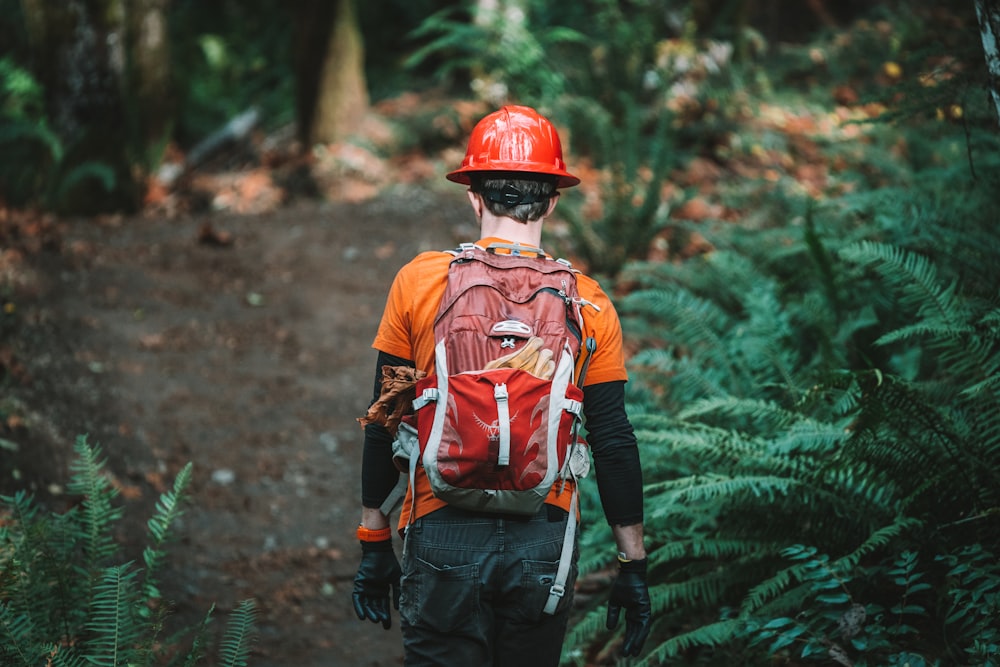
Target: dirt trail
251	360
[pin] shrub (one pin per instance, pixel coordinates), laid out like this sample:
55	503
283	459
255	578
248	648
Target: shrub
62	601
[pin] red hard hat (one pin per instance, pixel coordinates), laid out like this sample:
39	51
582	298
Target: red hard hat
515	138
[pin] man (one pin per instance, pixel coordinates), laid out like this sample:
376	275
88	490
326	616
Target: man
474	584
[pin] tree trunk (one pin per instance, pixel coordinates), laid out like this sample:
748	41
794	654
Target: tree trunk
78	48
988	12
342	95
149	77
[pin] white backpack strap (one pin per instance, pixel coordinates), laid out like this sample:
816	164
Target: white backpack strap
565	559
503	423
405	444
395	497
413	494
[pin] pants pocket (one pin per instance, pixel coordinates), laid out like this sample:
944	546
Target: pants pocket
443	599
537	578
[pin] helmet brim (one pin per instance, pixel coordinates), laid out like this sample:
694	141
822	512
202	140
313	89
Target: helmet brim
564	179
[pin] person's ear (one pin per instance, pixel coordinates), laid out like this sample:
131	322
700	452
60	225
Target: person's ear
552	204
476	201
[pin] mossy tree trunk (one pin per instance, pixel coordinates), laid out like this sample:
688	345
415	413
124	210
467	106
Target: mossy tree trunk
104	67
988	12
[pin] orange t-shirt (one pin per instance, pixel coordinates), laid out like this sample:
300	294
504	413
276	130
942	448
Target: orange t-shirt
407	331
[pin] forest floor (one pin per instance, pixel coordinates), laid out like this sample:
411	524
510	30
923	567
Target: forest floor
239	342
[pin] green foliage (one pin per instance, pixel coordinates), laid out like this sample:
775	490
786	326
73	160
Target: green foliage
35	168
816	400
844	616
631	211
228	57
63	601
508	58
236	644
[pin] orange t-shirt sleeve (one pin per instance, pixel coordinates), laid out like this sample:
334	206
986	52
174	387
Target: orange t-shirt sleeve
407	326
608	361
393	336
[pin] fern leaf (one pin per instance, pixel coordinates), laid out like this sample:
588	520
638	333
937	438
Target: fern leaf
771	588
65	656
100	172
12	131
168	510
17	638
114	622
879	539
239	638
915	278
711	635
197	651
712	548
713	487
98	513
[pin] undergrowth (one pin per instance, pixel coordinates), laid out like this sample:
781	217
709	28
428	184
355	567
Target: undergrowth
65	602
817	397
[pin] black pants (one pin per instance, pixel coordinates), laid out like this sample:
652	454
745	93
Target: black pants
474	586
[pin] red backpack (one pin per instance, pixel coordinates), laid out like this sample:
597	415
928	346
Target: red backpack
497	419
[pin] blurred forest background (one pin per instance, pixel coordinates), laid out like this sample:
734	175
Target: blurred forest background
796	203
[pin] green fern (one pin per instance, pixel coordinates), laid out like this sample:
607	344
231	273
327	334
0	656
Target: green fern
200	640
16	630
114	624
710	635
239	638
169	509
88	480
62	604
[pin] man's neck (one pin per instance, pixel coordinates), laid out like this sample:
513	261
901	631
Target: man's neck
529	234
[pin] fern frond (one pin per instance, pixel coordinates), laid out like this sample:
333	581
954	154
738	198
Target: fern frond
689	378
98	513
711	548
17	638
944	315
774	416
584	632
879	539
65	656
168	510
693	321
771	588
239	637
39	562
197	650
710	635
713	487
12	131
810	437
114	620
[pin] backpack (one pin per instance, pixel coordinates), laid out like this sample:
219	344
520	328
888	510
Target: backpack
497	311
494	432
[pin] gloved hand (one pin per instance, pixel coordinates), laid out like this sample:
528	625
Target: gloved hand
631	592
378	573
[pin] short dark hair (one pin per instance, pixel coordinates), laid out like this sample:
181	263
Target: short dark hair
513	195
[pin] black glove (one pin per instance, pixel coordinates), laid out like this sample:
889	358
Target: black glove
379	571
630	591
